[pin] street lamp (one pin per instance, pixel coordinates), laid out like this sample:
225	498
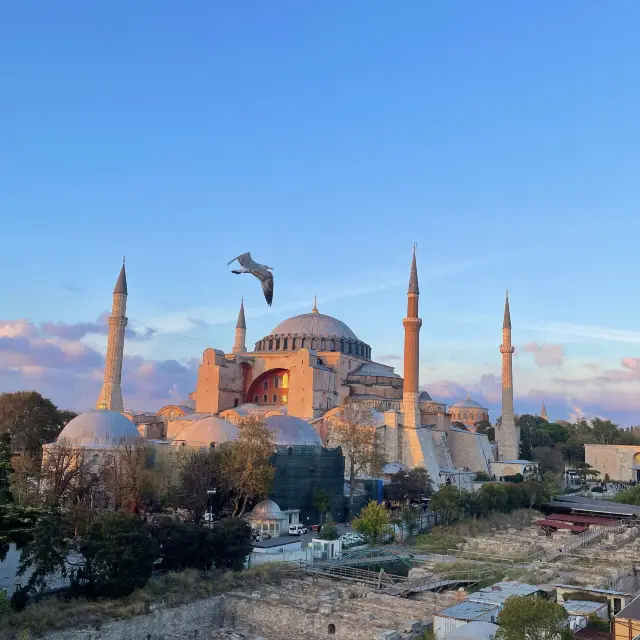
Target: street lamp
210	494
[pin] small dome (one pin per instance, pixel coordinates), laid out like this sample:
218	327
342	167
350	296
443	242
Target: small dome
99	428
315	324
467	403
290	431
267	509
205	431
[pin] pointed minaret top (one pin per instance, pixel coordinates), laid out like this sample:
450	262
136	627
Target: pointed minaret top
121	285
315	305
507	315
543	411
413	278
241	324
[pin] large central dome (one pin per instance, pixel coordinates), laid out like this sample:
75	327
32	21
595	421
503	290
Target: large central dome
315	331
318	325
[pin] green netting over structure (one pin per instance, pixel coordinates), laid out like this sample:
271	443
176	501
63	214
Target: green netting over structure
301	471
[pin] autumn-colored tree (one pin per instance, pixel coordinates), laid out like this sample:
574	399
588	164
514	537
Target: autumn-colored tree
25	478
373	522
247	468
352	428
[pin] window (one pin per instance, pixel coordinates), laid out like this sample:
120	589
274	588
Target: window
235	402
256	398
275	382
284	397
265	384
212	445
265	398
275	398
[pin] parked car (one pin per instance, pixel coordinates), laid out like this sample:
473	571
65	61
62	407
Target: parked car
297	529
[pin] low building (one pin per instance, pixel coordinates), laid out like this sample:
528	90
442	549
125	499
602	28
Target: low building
476	630
268	518
512	468
447	620
278	550
580	610
626	624
617	600
498	593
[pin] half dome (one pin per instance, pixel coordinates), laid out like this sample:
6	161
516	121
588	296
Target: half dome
99	428
290	431
205	431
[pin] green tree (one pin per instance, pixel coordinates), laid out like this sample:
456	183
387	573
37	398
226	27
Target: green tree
231	543
329	531
373	522
605	431
352	428
30	420
586	472
447	503
409	521
119	554
484	426
48	550
322	503
16	526
5	468
531	618
630	496
406	486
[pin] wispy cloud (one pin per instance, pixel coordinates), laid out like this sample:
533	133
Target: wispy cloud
72	288
590	332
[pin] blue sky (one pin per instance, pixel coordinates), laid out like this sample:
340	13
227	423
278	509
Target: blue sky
325	137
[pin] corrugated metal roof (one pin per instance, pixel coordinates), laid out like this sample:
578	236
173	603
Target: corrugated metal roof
468	610
499	592
474	631
583	607
597	506
575	587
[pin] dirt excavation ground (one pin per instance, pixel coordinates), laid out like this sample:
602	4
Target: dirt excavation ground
511	547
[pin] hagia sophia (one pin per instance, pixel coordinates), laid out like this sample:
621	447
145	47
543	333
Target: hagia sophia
295	378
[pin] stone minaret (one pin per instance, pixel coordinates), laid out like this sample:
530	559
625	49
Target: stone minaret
543	412
111	393
507	434
241	332
412	324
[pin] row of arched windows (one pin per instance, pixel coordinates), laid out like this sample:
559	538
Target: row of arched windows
282	343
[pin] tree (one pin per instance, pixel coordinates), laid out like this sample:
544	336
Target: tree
24	479
200	472
605	431
30	420
484	426
5	468
409	521
585	472
406	486
322	503
119	554
447	503
329	531
231	543
373	522
531	618
247	465
352	428
48	550
548	458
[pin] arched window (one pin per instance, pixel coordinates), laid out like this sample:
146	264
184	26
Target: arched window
256	398
236	402
331	629
265	384
286	344
275	382
265	398
275	398
212	445
278	343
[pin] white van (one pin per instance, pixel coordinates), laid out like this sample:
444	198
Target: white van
297	529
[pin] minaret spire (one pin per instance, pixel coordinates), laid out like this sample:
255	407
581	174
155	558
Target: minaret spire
315	305
412	324
111	393
543	412
239	345
507	434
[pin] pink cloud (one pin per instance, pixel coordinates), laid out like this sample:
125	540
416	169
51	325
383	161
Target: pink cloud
545	354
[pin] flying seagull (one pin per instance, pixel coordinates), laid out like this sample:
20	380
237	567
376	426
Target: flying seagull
260	271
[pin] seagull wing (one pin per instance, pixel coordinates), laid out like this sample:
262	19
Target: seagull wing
244	260
266	278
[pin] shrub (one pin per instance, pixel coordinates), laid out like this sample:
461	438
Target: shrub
329	531
482	476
